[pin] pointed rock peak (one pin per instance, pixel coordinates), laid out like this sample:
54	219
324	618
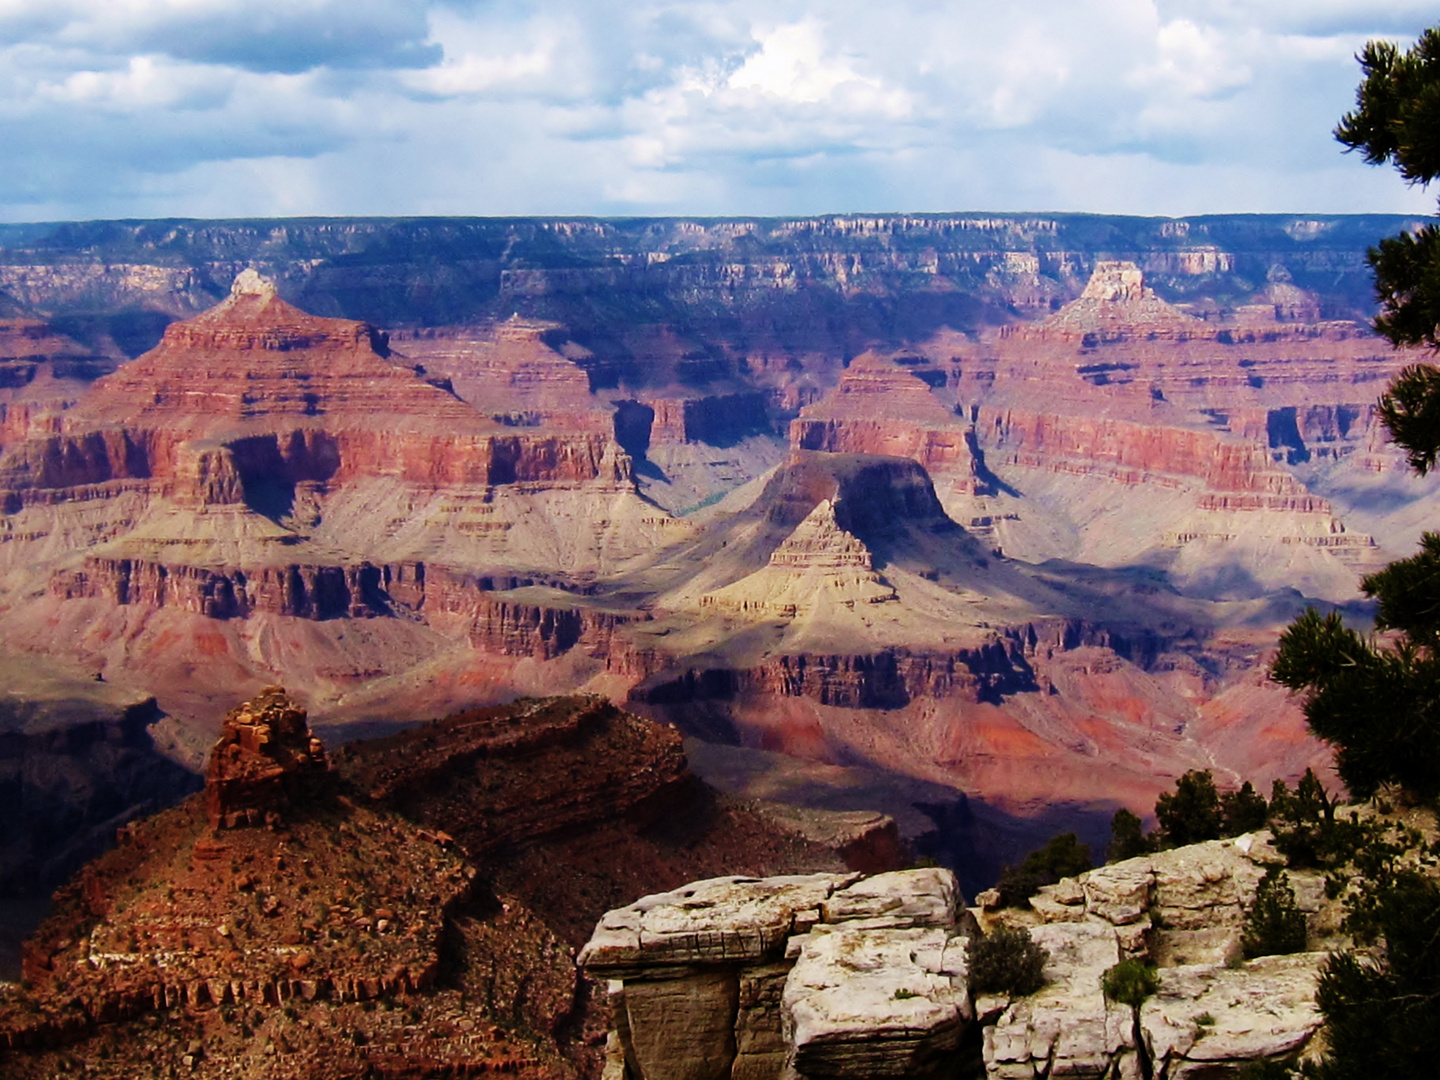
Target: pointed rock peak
820	540
249	282
1116	305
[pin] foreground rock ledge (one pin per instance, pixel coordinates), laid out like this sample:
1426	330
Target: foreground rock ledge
815	975
840	975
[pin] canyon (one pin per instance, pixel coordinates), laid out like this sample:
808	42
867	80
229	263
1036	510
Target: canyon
988	523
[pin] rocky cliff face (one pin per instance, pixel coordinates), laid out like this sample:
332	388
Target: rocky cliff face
77	761
822	975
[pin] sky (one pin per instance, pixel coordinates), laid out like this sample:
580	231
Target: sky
228	108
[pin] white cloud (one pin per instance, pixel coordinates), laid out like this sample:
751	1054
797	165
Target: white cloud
136	107
791	65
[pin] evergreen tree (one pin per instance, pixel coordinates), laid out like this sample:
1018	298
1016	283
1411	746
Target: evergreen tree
1380	1012
1397	120
1274	925
1063	856
1379	705
1127	837
1243	811
1192	813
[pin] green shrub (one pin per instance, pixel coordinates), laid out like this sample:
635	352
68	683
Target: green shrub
1380	1011
1192	813
1243	811
1303	821
1273	925
1006	961
1063	856
1266	1069
1130	982
1127	837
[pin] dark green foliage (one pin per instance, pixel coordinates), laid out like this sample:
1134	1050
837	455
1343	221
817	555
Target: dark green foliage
1243	811
1397	120
1397	108
1063	856
1384	855
1273	925
1408	590
1379	707
1006	961
1266	1069
1380	1012
1130	982
1305	828
1407	284
1192	813
1127	837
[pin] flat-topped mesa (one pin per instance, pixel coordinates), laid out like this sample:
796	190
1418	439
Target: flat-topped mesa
880	408
872	495
293	398
510	373
265	760
1116	305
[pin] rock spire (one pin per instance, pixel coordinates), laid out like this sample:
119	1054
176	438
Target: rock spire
266	759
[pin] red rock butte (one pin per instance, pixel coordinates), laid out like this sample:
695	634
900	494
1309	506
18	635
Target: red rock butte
255	356
265	761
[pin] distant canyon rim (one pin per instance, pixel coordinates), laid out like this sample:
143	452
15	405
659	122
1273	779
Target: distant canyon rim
988	522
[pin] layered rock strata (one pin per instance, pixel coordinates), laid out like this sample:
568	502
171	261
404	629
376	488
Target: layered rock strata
553	765
265	761
868	976
824	975
343	939
330	901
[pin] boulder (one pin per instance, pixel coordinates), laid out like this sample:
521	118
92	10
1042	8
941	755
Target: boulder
876	1002
1119	893
925	897
1202	886
720	920
1205	1017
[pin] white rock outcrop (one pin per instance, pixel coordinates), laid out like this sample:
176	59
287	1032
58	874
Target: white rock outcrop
758	979
1184	910
842	975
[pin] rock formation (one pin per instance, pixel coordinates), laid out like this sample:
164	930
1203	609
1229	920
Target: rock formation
1183	909
346	938
266	760
869	976
954	496
827	975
